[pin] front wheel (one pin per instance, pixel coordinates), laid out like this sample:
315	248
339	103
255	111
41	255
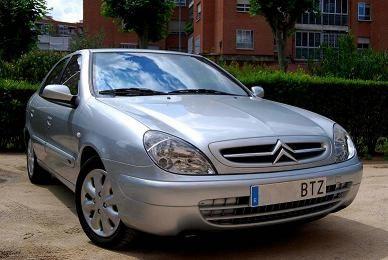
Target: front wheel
97	210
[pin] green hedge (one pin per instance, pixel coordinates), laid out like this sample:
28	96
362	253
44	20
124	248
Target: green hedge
32	66
359	106
14	96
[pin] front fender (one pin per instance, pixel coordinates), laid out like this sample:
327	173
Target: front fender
114	135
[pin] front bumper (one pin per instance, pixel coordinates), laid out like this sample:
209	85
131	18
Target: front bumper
171	207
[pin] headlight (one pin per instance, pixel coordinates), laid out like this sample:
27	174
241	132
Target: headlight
344	147
175	155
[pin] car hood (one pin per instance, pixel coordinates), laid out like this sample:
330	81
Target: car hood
212	118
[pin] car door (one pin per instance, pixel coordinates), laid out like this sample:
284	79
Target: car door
38	112
62	144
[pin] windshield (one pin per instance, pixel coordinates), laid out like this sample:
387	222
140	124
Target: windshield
163	73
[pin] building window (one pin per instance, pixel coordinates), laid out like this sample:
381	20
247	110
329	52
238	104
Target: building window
197	45
176	27
244	39
44	29
332	12
190	47
199	11
63	30
243	6
363	46
363	43
126	45
191	11
363	12
331	39
307	45
180	2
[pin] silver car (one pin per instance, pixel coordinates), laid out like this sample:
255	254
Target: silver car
165	143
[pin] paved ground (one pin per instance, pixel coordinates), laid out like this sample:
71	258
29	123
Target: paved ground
40	222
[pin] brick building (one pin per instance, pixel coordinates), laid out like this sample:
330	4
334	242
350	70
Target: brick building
95	23
224	28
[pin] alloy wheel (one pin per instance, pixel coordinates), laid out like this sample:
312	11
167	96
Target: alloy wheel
30	158
97	203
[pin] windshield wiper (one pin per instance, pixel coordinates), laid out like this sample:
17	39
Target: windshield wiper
200	91
131	92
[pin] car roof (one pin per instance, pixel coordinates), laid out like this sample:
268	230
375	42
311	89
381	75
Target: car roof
138	51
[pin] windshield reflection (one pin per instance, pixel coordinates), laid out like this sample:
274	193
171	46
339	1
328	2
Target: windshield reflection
159	72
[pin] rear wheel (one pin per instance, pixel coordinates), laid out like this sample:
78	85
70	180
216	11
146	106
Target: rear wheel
36	174
97	209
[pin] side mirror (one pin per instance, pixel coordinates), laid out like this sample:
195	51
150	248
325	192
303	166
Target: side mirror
258	91
59	93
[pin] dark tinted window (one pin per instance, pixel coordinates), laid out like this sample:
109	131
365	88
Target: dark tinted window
55	75
71	74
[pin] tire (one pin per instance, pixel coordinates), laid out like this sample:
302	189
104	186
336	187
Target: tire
36	173
97	213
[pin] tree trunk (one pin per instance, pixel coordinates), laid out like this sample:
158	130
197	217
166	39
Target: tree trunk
143	39
281	41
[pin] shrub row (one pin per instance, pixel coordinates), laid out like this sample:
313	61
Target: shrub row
359	106
32	66
14	96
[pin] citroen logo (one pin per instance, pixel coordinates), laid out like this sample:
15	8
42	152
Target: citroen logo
284	151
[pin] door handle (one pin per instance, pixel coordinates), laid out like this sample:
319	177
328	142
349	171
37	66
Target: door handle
49	121
32	113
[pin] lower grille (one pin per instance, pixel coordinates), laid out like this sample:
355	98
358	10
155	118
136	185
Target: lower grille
236	211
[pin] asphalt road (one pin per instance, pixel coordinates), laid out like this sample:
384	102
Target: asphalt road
40	222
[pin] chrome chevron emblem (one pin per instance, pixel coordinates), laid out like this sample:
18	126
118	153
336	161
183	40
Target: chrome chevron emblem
284	151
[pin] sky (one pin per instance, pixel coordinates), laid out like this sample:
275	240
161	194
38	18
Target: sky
65	10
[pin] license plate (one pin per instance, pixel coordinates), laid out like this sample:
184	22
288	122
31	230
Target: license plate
275	193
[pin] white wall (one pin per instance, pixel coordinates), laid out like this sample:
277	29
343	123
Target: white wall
46	42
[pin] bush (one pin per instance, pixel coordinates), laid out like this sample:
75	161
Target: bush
31	67
382	147
14	96
348	62
359	106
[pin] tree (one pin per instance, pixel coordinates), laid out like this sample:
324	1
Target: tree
346	61
85	41
18	33
147	18
281	16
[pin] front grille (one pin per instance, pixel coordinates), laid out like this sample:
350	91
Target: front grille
275	153
236	211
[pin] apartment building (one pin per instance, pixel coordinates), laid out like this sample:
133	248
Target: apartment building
225	28
57	35
95	23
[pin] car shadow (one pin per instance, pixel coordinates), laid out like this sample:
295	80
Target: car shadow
63	193
331	237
